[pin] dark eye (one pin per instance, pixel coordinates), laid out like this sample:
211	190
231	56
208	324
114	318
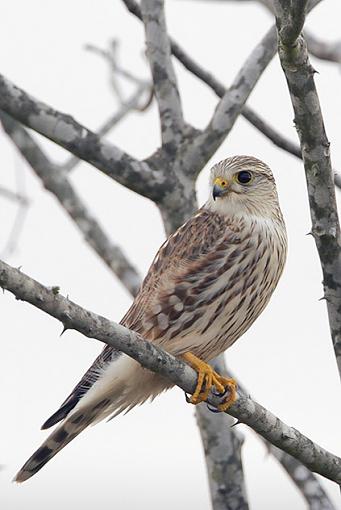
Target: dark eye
244	177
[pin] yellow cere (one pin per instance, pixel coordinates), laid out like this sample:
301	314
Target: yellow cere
220	182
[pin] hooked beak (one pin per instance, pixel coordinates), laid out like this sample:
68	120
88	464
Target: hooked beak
218	191
220	187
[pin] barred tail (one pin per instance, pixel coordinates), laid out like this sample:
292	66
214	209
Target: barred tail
56	441
122	385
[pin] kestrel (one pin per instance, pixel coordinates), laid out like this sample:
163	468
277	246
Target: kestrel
207	284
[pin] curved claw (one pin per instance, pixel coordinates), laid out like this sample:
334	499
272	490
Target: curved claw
218	394
187	398
213	409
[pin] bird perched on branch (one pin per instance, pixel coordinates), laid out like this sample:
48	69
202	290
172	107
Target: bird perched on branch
207	284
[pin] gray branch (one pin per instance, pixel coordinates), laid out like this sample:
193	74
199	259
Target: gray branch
305	481
323	50
58	184
19	197
154	358
319	174
222	445
290	16
250	115
86	145
12	196
231	104
164	79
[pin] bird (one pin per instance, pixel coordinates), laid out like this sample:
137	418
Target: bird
207	284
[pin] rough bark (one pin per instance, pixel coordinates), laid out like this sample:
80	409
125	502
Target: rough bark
317	163
80	141
164	79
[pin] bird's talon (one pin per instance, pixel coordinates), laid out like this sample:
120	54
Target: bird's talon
207	379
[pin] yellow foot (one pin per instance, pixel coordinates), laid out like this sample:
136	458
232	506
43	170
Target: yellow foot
207	378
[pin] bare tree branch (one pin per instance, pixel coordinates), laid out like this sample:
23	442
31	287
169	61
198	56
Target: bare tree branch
318	48
164	79
154	358
231	103
110	55
131	104
319	174
305	481
323	50
290	17
193	67
20	198
125	105
68	133
222	445
13	196
58	184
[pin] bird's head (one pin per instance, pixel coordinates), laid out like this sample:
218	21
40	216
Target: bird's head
242	184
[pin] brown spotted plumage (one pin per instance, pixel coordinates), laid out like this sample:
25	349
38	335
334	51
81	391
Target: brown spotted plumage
207	284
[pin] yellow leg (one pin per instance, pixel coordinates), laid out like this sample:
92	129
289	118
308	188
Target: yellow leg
207	378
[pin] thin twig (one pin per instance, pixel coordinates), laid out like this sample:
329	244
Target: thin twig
132	104
13	196
116	70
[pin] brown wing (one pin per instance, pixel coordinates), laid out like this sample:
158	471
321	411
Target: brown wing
183	266
192	251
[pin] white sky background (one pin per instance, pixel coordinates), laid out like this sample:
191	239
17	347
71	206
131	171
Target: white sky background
153	457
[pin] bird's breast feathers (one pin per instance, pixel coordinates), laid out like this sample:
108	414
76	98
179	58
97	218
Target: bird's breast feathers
208	283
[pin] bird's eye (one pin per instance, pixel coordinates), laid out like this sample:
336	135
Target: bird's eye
244	177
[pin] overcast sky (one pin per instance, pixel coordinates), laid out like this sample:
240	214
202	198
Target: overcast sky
152	457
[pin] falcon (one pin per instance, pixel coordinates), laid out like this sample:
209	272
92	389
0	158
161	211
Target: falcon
208	283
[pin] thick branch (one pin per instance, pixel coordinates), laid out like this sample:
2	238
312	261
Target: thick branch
319	174
58	184
72	136
290	19
164	79
154	358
